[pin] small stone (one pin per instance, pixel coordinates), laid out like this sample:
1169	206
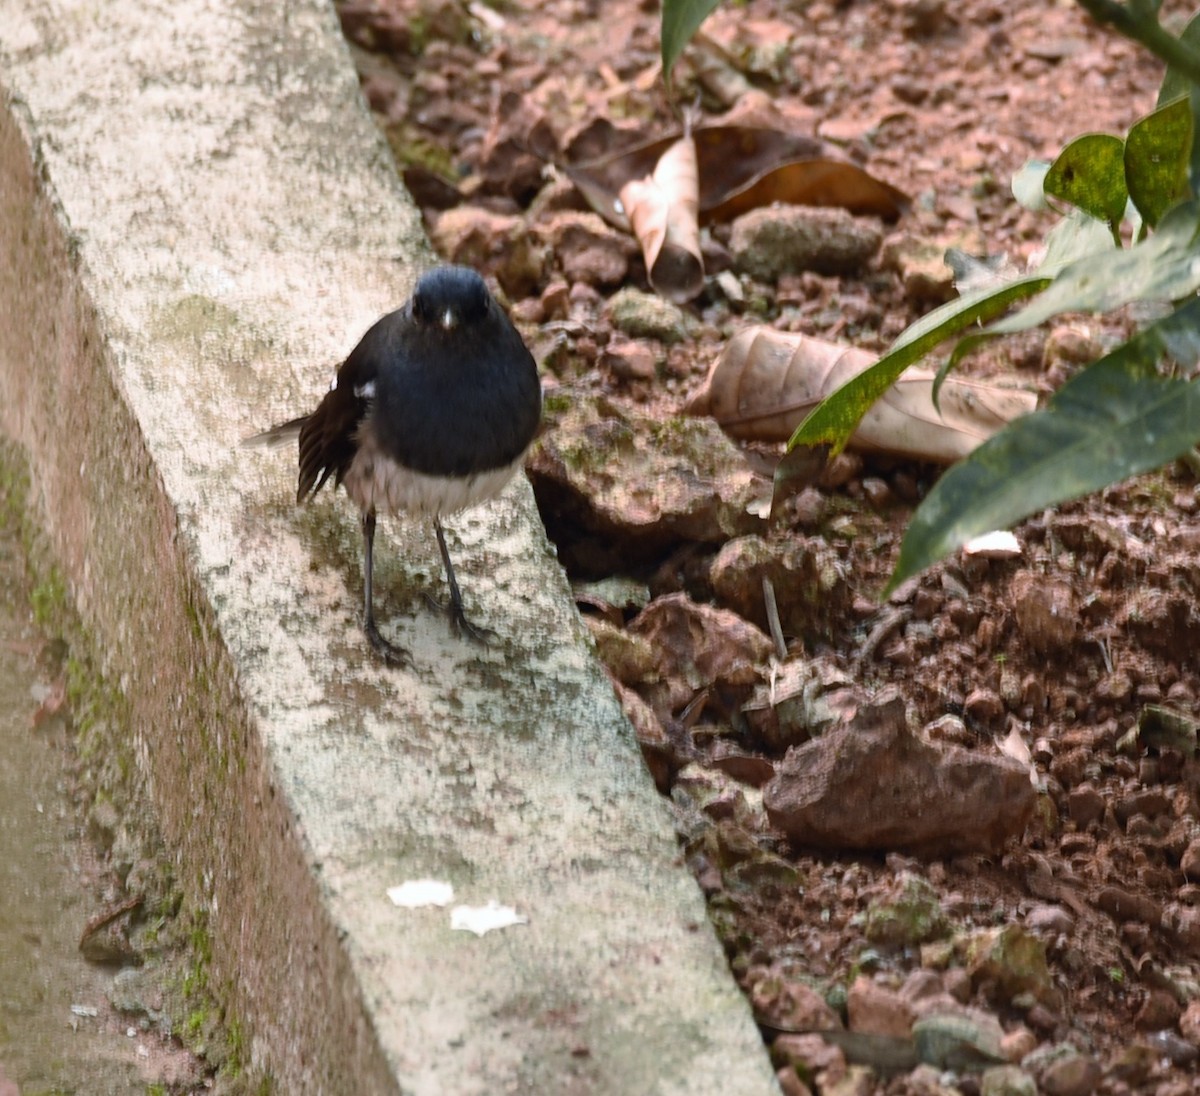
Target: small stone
1018	1043
1150	802
788	239
922	18
556	299
1189	1023
857	1081
958	984
790	1083
877	492
1013	960
810	1053
1006	1081
950	729
808	582
647	316
1073	1074
1072	344
1085	805
1046	611
958	1040
877	1010
629	359
921	265
588	250
1050	921
1166	1044
983	706
1124	905
792	1004
1158	1011
907	915
697	646
494	243
922	985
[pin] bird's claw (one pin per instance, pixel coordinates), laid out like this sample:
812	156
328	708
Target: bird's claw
391	653
461	625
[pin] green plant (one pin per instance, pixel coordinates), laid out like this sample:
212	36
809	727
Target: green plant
1134	409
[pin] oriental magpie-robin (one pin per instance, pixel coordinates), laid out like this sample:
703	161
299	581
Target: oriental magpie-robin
431	413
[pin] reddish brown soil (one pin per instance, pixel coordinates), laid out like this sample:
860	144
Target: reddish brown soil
945	102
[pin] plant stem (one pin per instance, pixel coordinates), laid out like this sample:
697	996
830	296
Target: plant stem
1139	23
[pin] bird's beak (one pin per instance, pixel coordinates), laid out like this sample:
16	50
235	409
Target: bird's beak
449	319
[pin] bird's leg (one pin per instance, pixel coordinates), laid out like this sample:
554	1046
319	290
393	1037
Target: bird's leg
457	617
389	652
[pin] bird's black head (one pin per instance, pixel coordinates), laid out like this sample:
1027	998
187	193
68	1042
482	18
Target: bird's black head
450	297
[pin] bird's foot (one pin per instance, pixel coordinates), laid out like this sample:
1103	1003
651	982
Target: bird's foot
461	625
391	653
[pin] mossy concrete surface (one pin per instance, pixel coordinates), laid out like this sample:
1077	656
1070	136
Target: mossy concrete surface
197	221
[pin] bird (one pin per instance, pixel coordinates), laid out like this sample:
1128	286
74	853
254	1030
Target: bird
431	413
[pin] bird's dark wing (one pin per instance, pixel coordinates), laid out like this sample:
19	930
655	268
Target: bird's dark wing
329	436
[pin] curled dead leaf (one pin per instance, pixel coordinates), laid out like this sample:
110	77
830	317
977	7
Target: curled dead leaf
766	382
741	168
662	210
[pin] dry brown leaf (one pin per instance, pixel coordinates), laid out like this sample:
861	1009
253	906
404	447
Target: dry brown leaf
766	382
819	182
740	168
662	210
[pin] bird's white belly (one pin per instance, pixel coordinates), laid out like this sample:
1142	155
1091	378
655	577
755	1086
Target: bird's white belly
375	482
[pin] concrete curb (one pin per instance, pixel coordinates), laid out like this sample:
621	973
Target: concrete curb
198	220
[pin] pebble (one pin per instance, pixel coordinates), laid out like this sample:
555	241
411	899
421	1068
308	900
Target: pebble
1073	1074
1018	1043
877	1010
787	239
1049	920
647	316
1006	1081
1158	1011
629	359
1085	805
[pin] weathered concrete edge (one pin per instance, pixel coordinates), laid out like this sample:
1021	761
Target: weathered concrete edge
105	510
130	545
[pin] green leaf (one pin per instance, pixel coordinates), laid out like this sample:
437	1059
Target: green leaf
1175	85
680	20
1194	160
1076	237
1090	173
1165	267
1115	419
1157	152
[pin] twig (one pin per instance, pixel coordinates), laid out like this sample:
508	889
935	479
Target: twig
773	618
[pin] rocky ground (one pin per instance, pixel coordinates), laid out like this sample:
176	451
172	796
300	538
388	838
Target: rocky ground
951	840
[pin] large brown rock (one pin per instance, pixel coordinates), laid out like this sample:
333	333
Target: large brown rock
697	647
617	486
872	784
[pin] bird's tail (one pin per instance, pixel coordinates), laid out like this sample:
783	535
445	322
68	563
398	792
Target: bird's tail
277	435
